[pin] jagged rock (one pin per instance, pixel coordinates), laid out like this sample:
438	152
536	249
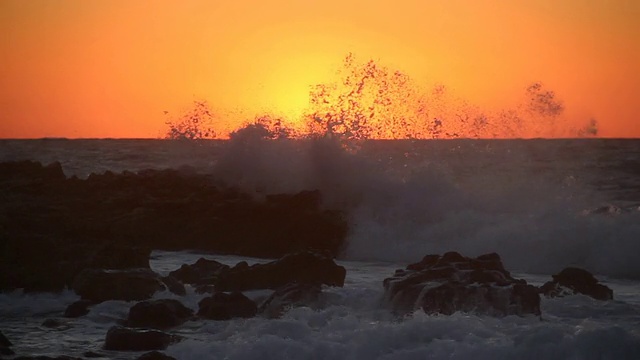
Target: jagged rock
174	285
53	227
201	272
100	285
305	267
158	314
572	281
78	308
155	355
288	296
125	339
222	306
451	282
30	171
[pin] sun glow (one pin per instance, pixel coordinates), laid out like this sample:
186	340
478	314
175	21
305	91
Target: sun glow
109	68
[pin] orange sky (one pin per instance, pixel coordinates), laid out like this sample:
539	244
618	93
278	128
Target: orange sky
109	68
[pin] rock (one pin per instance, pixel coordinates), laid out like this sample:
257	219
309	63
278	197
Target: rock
30	171
4	341
451	282
115	256
289	296
53	227
158	314
155	355
125	339
5	345
100	285
222	306
92	354
305	267
174	285
78	309
572	281
201	272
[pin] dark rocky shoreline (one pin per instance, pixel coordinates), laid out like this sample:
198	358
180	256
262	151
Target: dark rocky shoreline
95	237
52	227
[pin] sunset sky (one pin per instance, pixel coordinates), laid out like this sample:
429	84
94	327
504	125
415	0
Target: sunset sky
110	68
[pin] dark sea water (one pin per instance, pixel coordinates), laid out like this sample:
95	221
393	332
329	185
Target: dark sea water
541	204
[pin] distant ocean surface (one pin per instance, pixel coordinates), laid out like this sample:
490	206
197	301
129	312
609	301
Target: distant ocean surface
541	204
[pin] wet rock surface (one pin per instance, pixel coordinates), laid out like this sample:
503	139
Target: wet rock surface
223	306
307	267
450	283
571	281
158	314
53	227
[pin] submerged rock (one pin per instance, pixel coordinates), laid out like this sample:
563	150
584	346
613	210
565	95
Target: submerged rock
223	306
78	308
452	282
124	339
305	267
99	285
158	314
571	281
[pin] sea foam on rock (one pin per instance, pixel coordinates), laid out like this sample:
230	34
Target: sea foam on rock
452	282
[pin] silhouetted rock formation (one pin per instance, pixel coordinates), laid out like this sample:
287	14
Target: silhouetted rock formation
99	285
305	267
571	281
158	314
126	339
452	282
5	345
54	227
202	272
78	308
223	306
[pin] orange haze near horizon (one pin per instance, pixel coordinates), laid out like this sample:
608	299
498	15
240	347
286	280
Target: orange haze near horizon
110	68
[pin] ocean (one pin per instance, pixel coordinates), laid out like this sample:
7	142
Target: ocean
541	204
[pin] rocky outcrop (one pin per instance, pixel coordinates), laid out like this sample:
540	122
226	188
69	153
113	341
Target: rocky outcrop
571	281
125	339
450	283
158	314
99	285
201	272
290	296
223	306
5	345
307	267
78	309
53	227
